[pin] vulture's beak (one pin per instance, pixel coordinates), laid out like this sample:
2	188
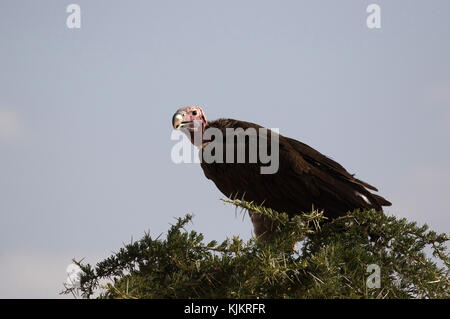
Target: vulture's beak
177	120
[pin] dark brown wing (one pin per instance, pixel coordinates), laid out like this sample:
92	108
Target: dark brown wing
305	179
325	163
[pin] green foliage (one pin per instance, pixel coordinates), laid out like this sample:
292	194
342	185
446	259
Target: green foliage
332	261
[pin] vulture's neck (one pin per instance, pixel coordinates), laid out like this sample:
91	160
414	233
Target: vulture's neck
207	126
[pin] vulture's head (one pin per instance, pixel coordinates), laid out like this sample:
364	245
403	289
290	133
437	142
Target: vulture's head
192	121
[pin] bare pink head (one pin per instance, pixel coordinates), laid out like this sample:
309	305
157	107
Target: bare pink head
191	120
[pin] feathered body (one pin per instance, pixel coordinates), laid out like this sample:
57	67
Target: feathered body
305	179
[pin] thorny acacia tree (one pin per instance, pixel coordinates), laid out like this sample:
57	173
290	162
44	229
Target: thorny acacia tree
332	261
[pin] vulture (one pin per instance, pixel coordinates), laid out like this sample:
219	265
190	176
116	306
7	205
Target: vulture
305	179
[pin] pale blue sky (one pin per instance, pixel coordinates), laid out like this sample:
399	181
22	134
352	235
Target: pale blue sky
85	115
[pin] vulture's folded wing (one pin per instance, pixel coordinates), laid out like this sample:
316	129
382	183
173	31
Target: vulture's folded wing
305	178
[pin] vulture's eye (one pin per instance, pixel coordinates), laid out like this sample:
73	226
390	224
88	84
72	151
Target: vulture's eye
194	113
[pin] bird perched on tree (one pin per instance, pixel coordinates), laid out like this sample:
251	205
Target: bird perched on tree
305	178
